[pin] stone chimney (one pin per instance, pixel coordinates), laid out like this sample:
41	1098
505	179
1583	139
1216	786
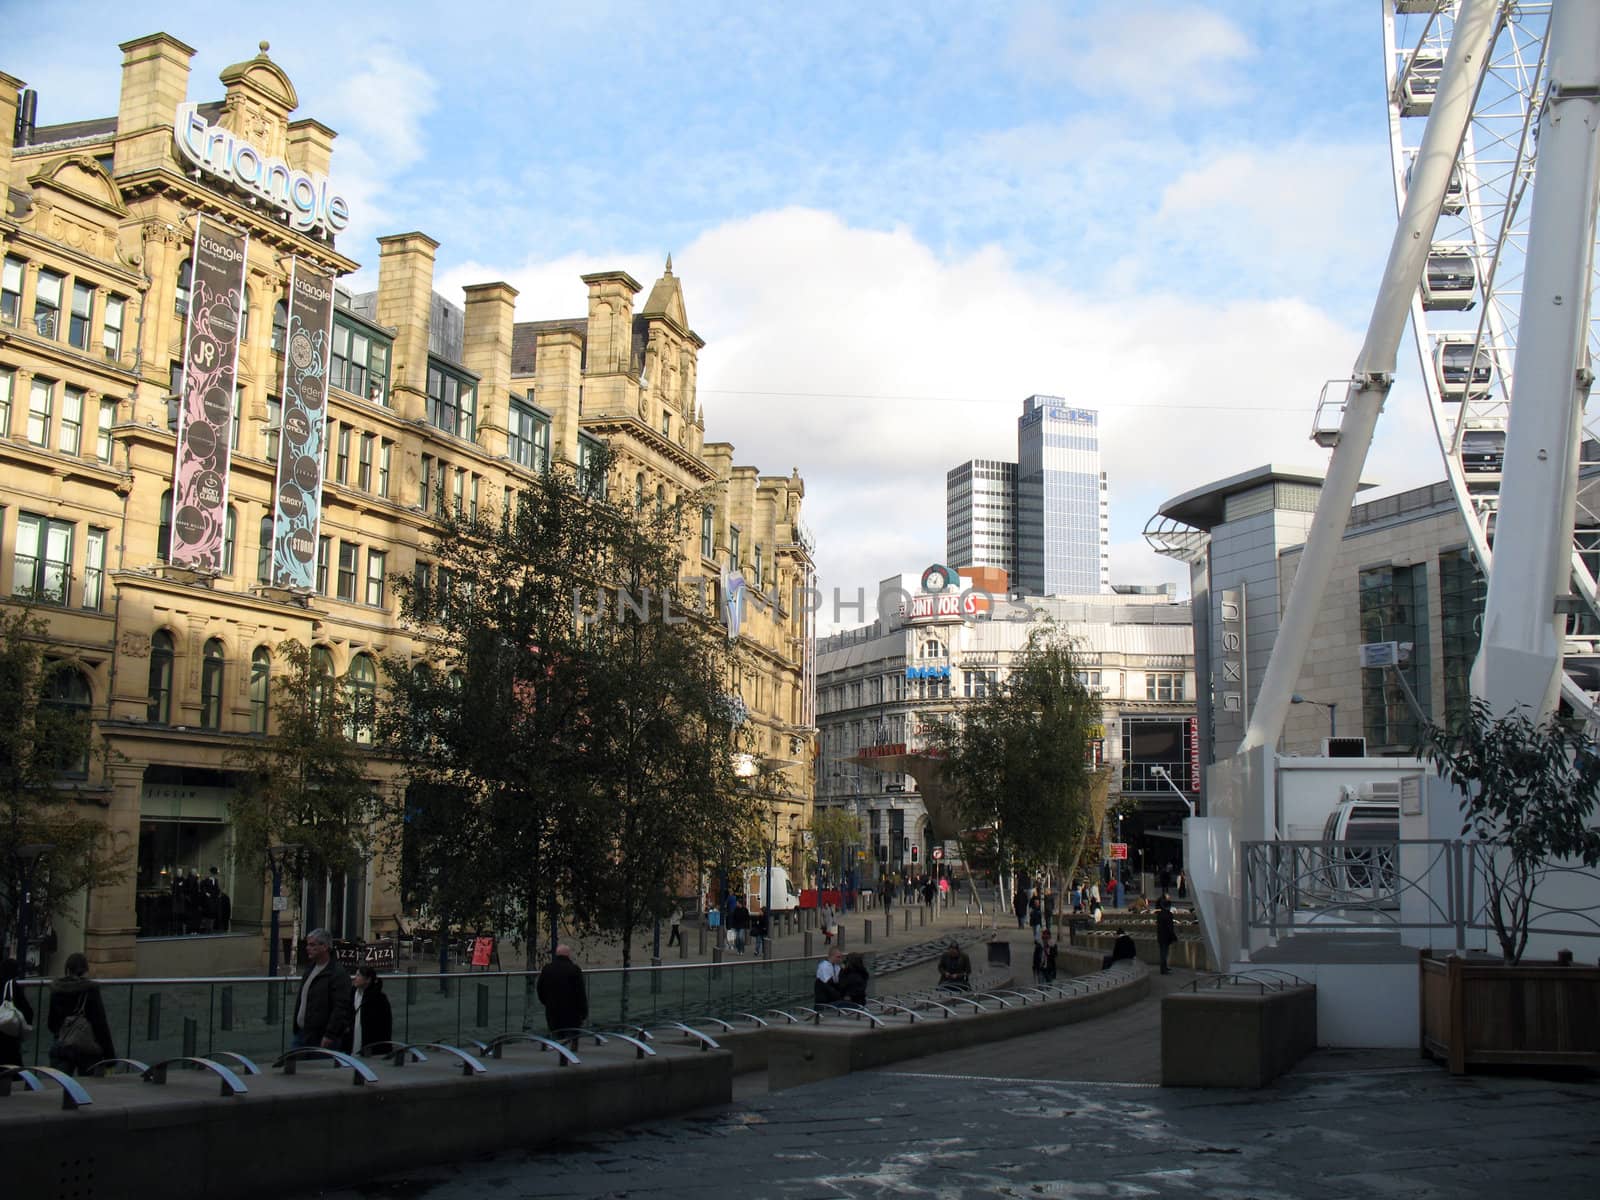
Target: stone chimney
9	89
405	296
606	386
155	80
310	146
486	351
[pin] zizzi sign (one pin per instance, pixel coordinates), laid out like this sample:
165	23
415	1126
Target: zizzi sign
307	199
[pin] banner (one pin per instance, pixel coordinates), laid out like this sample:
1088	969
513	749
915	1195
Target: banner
205	411
305	411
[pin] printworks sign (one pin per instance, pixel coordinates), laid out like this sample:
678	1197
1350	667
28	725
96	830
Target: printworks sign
307	200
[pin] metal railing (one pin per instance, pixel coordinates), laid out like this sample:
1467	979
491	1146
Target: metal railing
152	1019
1405	883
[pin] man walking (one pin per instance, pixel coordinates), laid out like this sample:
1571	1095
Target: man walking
561	991
676	919
322	1014
740	924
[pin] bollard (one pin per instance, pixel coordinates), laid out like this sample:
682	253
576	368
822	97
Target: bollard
191	1036
227	1010
483	1005
702	939
716	960
922	915
839	940
806	942
683	945
907	915
152	1022
866	932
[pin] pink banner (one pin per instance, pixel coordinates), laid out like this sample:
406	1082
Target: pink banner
205	414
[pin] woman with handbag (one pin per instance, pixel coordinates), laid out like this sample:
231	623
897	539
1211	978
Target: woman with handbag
77	1018
16	1014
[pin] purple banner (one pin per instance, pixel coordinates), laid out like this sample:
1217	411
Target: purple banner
305	411
205	416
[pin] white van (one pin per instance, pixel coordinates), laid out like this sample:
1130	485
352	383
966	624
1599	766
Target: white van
784	897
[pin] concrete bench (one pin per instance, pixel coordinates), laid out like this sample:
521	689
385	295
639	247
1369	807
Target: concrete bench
1235	1032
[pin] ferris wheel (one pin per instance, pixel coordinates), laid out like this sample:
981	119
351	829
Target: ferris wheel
1464	315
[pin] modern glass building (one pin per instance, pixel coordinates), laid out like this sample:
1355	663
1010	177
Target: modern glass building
981	515
1063	513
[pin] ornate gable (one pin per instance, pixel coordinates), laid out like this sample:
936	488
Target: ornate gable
258	103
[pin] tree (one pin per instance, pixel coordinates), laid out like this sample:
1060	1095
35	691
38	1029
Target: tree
833	832
1018	759
1528	793
303	785
568	730
47	746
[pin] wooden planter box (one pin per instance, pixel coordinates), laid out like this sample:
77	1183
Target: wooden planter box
1480	1012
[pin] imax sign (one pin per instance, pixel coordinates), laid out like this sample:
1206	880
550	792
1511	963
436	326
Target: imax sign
307	200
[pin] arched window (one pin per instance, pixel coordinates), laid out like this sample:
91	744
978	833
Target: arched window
160	689
67	692
212	669
638	490
244	314
321	677
260	688
230	531
185	286
280	326
264	552
661	499
164	529
361	692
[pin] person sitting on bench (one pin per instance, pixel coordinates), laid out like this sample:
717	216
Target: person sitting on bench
955	968
1122	948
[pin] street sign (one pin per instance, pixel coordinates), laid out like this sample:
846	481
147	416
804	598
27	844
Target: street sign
1119	850
894	787
1380	654
938	853
280	904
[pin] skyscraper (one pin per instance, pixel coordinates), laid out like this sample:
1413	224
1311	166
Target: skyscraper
981	515
1045	518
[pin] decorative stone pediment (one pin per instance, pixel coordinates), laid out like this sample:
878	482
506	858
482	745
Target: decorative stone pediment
258	103
666	299
82	178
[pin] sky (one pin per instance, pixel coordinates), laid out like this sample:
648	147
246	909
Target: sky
892	222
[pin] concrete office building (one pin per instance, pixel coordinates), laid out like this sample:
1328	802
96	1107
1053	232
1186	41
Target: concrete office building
429	403
1045	519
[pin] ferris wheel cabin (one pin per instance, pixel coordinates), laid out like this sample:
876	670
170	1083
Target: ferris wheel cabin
1450	282
1458	366
1454	192
1419	83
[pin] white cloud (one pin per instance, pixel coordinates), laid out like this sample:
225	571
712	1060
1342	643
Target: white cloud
1148	55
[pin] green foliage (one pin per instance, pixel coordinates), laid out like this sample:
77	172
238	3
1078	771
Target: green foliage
559	745
303	785
46	749
1529	790
1018	758
833	831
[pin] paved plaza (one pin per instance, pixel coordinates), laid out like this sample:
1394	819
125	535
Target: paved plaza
1077	1112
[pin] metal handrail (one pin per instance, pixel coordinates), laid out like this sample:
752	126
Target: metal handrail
495	1047
360	1073
244	1064
73	1093
707	1042
232	1085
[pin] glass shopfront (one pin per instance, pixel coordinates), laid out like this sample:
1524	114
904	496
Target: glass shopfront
187	879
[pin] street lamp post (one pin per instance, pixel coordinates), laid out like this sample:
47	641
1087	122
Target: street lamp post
1331	705
27	859
276	857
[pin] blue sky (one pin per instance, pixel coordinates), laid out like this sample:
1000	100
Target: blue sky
892	221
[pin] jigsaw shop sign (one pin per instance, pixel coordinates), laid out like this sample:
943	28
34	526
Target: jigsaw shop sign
307	200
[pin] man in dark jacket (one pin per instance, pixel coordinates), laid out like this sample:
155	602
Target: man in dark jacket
740	924
561	991
1166	931
1122	948
323	1010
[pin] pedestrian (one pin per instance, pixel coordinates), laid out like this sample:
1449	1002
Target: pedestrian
739	925
1122	948
760	928
562	992
323	1010
18	1019
825	989
1094	895
955	968
1183	888
676	920
1044	959
1019	905
1035	917
1050	908
1077	896
1166	930
372	1020
829	921
77	1018
928	893
853	979
1096	913
888	903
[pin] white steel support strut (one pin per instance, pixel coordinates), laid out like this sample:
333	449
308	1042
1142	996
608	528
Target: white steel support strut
1519	657
1374	369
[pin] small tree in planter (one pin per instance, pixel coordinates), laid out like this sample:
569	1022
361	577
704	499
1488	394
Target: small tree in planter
1528	792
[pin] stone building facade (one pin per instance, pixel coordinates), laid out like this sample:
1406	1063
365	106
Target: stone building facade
430	403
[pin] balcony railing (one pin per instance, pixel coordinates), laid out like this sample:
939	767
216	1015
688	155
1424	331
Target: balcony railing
42	580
